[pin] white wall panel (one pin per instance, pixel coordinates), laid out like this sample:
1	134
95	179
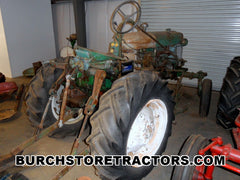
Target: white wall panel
28	32
64	24
5	67
98	14
211	26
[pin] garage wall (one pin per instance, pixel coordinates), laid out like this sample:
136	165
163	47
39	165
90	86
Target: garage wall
64	24
4	58
28	32
98	15
211	26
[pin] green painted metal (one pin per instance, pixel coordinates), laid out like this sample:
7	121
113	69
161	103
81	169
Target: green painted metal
85	53
85	82
29	72
114	48
169	38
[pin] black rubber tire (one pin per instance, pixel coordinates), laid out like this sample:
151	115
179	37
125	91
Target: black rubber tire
2	77
190	147
205	97
117	111
37	98
229	100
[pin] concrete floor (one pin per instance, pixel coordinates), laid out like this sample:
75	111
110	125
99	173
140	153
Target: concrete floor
18	129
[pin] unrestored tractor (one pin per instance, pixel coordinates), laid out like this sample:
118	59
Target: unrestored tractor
136	109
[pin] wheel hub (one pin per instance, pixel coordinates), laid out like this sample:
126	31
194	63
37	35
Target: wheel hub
56	106
148	129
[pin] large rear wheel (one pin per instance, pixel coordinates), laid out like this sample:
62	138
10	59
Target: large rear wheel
37	98
134	118
229	100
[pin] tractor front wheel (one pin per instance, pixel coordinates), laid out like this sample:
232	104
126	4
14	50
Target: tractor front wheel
190	147
205	97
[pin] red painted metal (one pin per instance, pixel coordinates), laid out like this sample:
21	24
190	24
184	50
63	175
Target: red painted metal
227	150
237	121
198	173
209	172
231	168
236	132
215	141
8	88
216	147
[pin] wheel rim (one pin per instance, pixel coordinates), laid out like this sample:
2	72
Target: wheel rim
148	129
56	106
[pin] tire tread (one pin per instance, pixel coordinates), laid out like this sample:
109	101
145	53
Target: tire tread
229	99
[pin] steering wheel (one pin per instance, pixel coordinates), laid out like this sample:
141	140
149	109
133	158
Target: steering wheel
126	19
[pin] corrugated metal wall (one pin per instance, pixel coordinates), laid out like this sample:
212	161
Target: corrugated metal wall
211	26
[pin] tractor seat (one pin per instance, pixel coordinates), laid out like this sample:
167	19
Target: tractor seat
137	40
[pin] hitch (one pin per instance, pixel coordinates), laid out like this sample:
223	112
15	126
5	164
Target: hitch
89	109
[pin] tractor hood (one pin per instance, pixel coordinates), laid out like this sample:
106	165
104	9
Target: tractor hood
139	40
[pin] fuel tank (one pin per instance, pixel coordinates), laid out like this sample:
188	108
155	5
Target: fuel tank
139	40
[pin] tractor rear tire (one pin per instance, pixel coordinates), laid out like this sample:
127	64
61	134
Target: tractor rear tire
37	98
229	100
115	125
205	97
190	147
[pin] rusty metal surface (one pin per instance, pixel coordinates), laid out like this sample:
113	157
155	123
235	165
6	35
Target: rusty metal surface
76	98
40	126
58	82
64	101
93	100
138	40
90	105
192	75
8	113
66	169
36	66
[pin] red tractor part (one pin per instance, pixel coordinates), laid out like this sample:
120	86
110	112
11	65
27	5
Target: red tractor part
7	88
216	148
236	132
191	148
